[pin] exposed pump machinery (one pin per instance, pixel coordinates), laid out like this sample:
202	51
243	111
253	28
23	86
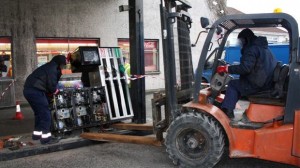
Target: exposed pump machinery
104	96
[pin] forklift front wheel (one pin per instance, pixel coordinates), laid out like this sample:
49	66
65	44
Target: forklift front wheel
195	140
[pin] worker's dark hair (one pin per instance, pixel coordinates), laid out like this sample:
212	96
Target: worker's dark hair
59	59
246	33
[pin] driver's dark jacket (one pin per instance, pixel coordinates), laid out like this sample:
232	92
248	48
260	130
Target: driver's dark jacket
44	78
256	67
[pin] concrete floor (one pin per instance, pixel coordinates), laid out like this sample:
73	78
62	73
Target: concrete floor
9	126
121	155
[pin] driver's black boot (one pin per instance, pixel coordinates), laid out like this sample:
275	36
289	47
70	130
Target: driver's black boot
229	113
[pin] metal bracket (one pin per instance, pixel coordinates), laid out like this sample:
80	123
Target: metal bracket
182	14
186	17
174	14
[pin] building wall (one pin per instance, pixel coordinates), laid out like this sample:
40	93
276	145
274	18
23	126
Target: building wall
202	8
25	21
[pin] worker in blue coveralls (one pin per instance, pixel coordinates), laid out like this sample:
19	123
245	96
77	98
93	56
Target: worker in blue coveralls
256	68
38	85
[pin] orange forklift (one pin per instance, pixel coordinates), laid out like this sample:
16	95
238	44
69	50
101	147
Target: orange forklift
269	128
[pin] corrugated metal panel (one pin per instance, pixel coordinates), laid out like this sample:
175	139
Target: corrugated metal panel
185	55
7	93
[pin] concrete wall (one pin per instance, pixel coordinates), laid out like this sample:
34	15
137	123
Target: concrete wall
25	20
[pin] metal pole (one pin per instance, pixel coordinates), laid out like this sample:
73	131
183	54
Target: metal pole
137	61
169	58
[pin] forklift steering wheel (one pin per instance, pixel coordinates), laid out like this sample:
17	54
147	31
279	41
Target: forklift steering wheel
219	82
222	62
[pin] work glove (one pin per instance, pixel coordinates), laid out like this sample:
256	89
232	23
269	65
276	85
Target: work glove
222	69
56	92
69	57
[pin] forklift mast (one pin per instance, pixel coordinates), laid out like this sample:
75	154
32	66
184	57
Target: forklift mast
183	19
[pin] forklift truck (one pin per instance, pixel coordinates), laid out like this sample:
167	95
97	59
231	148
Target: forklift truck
269	128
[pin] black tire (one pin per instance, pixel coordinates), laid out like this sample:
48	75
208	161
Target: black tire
195	140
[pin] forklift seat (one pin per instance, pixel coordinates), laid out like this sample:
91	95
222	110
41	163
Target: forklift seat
276	95
280	80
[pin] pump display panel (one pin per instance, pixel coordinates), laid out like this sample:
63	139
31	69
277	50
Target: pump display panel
85	58
91	57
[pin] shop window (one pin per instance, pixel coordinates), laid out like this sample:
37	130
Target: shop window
150	52
49	47
5	57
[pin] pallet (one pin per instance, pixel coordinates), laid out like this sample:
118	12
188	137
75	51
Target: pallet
133	126
146	140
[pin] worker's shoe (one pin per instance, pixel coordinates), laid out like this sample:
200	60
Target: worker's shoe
49	140
36	137
229	113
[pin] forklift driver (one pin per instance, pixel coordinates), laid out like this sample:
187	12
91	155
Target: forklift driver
256	67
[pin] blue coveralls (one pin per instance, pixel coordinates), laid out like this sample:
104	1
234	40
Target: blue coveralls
40	106
38	85
256	67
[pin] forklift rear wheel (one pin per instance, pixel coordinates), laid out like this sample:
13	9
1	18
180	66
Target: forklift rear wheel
195	140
